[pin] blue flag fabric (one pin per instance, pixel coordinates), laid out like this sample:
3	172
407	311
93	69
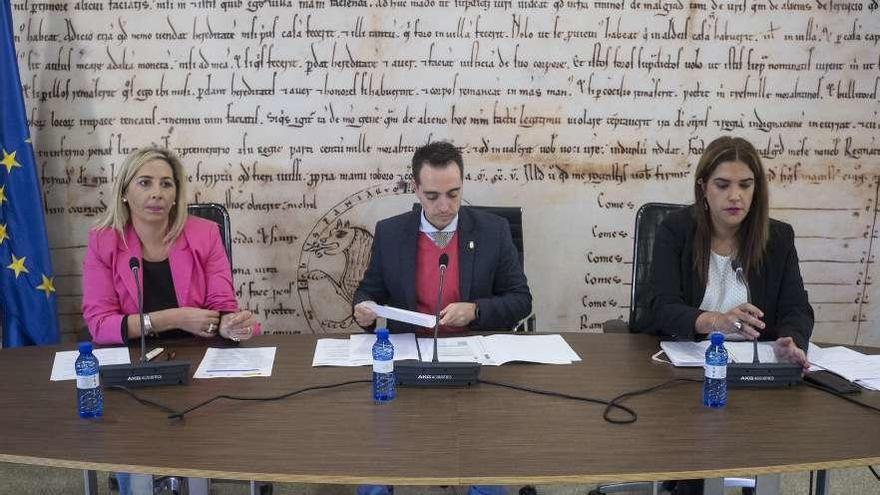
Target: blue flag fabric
27	291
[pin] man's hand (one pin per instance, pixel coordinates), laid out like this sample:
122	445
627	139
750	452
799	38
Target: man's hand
458	314
786	350
363	315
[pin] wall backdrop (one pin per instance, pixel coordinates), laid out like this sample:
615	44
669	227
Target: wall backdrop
301	115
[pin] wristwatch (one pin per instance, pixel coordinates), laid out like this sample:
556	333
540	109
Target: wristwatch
148	324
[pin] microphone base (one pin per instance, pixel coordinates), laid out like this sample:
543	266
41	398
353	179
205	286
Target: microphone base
147	374
763	375
415	373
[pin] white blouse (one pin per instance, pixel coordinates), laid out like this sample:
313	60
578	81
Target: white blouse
723	291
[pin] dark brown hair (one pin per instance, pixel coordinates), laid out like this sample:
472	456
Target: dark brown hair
755	229
437	154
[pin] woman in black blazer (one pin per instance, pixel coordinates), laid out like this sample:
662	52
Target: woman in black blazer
698	250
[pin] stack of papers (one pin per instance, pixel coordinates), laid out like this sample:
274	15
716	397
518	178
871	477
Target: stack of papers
491	350
239	362
856	367
693	354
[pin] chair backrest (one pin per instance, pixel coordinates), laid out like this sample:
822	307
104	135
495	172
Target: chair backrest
218	214
513	215
648	218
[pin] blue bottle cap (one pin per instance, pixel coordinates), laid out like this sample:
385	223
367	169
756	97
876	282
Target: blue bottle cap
85	347
717	338
382	333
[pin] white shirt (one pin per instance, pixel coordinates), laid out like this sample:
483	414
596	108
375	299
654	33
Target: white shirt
427	228
723	290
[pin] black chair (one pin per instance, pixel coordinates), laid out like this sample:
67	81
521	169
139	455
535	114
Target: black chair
513	215
218	214
648	219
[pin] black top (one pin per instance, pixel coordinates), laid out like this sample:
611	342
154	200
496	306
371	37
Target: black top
777	289
158	294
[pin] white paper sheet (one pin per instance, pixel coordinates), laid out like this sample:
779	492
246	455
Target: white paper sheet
236	363
406	316
63	366
333	352
360	350
498	349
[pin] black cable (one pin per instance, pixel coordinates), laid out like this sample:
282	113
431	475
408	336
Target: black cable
181	414
811	483
615	401
609	405
874	472
842	396
142	400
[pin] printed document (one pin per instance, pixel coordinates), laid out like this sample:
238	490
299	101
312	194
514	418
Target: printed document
490	350
236	362
404	315
63	366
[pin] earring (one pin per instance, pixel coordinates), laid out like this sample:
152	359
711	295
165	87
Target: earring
125	200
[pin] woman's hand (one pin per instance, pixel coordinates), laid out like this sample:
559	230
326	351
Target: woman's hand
786	350
237	326
199	322
744	319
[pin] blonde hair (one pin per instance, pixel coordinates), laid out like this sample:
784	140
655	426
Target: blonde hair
118	215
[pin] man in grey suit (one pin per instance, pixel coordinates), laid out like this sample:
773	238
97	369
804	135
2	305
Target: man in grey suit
484	288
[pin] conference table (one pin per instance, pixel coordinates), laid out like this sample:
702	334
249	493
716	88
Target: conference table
484	434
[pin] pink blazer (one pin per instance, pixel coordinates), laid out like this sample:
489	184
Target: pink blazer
199	269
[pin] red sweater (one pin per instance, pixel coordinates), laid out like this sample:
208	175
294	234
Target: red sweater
428	277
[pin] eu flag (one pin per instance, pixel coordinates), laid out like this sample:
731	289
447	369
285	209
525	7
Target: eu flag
27	292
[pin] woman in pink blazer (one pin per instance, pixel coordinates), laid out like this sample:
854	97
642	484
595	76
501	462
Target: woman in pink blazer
186	276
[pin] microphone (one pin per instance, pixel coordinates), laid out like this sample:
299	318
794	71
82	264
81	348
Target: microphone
757	374
444	262
413	372
740	276
134	265
144	373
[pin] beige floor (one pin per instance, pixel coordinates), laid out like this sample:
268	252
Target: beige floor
21	479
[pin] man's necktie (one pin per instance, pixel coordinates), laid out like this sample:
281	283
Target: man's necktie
441	239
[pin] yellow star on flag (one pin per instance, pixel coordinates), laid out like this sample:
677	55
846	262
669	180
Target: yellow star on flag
3	194
3	235
17	265
47	286
9	162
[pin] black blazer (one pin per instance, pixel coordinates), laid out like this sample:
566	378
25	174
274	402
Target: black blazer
777	289
489	272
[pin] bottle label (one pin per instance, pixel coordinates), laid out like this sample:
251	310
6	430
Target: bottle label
87	381
383	366
715	371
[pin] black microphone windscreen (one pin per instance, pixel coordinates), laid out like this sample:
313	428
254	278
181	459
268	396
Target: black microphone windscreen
444	259
134	263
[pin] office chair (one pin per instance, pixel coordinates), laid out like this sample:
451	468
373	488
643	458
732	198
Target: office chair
648	219
513	215
218	214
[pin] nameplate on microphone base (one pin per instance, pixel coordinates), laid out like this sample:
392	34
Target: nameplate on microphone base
145	374
415	373
763	375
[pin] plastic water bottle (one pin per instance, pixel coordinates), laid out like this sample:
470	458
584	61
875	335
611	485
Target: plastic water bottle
715	383
383	368
89	396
